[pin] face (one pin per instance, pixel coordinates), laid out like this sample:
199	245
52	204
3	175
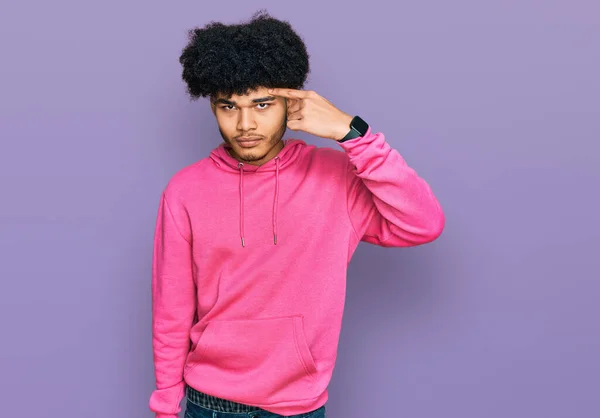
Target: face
253	125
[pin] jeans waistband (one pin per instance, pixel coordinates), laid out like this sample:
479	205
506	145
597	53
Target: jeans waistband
217	404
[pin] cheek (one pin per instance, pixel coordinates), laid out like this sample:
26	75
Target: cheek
275	119
226	123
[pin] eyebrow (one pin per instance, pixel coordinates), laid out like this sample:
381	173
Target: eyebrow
259	100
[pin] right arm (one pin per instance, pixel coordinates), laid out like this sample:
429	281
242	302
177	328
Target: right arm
173	307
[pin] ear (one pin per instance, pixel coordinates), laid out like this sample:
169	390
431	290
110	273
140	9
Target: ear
213	107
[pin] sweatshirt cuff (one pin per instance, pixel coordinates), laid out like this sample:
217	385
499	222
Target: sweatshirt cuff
366	148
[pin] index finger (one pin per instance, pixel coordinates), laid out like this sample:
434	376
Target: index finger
288	93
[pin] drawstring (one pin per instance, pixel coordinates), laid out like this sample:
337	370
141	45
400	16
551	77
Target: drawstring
275	201
241	167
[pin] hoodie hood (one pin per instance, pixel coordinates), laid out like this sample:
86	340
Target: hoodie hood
289	154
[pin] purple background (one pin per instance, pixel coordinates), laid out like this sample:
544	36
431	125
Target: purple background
496	105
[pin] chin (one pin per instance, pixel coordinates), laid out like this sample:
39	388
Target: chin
251	157
255	152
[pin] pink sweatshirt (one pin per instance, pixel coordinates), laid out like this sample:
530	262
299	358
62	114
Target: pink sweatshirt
250	262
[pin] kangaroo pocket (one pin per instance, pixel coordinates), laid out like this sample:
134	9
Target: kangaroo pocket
259	361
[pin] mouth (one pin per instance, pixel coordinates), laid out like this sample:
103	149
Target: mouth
248	142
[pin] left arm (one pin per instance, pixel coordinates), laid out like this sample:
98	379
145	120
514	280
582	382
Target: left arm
389	204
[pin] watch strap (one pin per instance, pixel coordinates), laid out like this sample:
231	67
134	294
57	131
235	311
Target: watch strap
358	128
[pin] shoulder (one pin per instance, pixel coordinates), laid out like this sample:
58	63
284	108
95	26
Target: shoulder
326	164
328	156
186	180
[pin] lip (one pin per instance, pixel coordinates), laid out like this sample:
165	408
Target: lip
249	139
248	142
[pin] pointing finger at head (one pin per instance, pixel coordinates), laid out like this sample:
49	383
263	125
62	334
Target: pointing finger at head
288	93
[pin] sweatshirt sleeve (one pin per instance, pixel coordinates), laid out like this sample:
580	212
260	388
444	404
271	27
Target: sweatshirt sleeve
389	204
173	307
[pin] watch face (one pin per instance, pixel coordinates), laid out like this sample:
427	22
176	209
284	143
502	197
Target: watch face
360	125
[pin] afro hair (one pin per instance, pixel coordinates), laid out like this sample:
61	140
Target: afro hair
233	59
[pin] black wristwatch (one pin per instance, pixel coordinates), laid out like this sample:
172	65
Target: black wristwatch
358	127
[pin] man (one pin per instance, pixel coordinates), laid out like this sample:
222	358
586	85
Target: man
253	242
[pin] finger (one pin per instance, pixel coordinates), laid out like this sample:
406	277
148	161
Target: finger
294	105
289	93
295	115
295	125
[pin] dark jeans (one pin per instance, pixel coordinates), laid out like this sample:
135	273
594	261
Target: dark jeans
203	406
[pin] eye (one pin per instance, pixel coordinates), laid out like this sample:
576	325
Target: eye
227	107
265	105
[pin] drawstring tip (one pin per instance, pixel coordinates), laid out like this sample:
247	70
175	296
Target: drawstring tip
243	243
275	239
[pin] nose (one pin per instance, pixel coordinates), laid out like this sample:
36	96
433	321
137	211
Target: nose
246	121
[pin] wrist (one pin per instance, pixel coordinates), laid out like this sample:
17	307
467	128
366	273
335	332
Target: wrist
357	128
343	127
